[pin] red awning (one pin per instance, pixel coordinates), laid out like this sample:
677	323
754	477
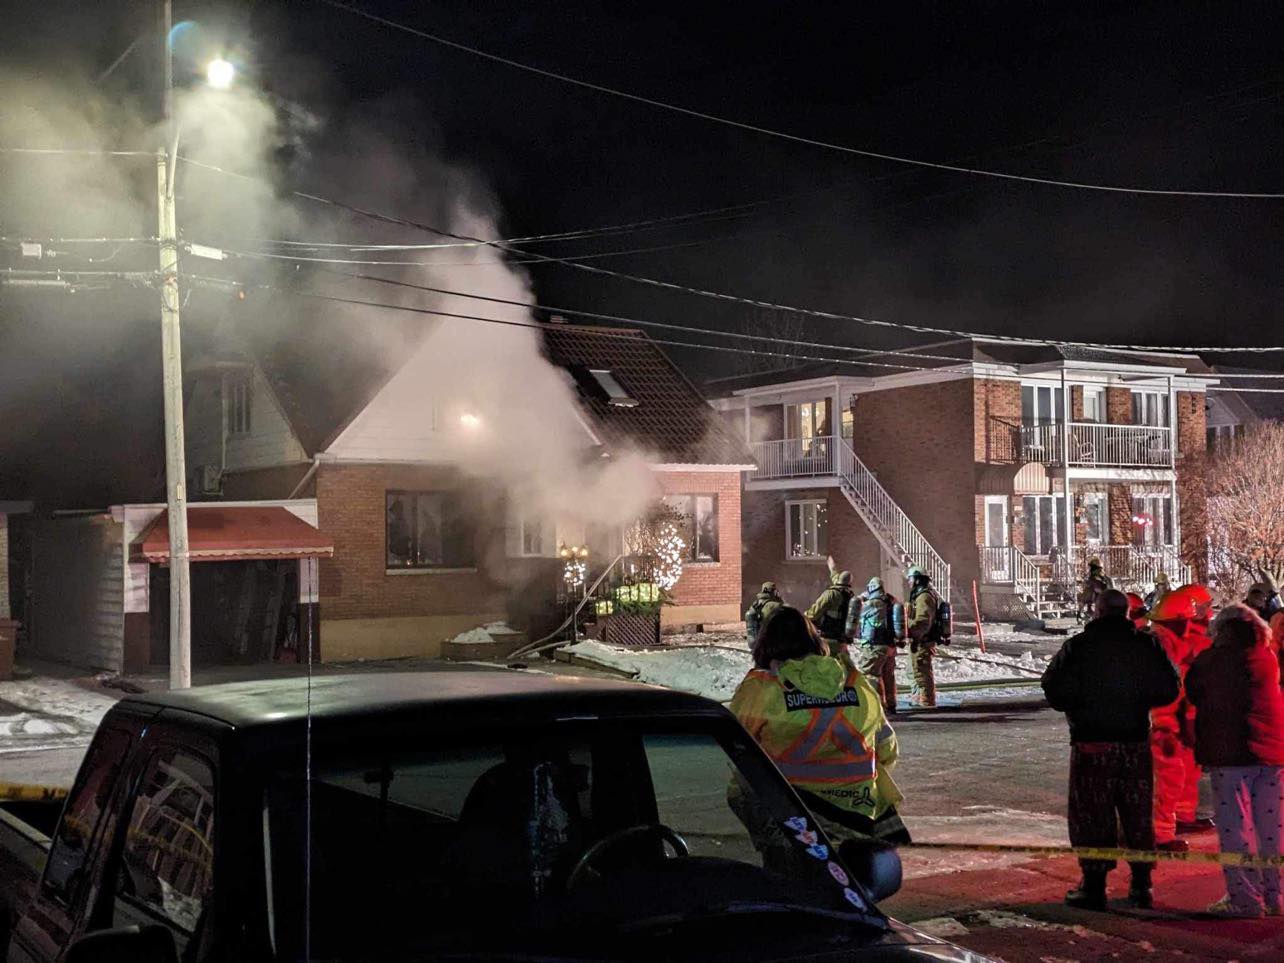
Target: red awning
237	533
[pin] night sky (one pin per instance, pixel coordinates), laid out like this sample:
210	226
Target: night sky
1161	95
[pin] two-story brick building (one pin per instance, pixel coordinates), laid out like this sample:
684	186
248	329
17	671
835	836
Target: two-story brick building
429	540
987	461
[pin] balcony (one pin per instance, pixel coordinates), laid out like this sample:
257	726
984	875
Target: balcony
795	458
1095	445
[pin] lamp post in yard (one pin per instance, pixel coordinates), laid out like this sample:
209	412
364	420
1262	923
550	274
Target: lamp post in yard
220	75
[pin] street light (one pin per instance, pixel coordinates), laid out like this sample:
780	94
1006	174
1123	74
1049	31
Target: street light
220	73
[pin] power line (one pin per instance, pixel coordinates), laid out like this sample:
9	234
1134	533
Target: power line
796	138
76	152
753	302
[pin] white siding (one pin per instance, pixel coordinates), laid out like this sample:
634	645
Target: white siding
203	425
271	440
78	612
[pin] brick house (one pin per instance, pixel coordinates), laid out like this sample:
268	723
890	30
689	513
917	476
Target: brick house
960	467
426	547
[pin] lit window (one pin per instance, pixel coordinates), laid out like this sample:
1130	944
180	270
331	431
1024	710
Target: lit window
428	530
615	393
699	525
806	527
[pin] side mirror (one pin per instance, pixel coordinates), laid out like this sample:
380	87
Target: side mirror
128	944
873	864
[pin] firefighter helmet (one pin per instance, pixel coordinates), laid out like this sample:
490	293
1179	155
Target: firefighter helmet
1137	609
1203	600
1175	607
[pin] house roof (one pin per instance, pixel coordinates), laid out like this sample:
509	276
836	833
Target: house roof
671	420
879	364
1264	406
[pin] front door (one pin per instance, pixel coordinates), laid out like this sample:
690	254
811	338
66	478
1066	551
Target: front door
998	557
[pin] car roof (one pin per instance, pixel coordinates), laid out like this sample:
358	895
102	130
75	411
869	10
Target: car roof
513	694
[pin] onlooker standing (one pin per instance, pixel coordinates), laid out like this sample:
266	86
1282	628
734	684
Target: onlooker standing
923	632
1239	737
1106	680
879	629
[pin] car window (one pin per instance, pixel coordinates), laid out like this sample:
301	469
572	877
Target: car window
698	796
82	817
167	861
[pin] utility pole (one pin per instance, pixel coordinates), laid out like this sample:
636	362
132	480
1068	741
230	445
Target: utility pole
180	584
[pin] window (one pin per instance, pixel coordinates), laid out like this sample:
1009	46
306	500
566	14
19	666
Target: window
699	524
531	535
167	862
1096	520
423	841
239	397
1152	521
1094	404
849	424
1150	408
1041	405
1224	438
429	530
86	806
807	422
806	534
1045	523
615	393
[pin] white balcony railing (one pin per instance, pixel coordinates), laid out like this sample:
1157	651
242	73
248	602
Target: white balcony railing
795	458
1096	445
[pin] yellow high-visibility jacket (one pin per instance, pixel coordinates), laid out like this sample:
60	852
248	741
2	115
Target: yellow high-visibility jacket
823	725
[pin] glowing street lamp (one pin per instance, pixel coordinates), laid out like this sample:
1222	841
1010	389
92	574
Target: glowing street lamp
220	73
470	421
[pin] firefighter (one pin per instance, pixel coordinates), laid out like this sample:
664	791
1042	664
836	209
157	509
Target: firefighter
1138	610
823	726
764	603
880	629
1162	588
1264	597
924	634
1174	621
1094	583
833	614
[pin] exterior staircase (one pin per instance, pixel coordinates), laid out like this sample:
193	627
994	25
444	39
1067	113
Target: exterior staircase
893	529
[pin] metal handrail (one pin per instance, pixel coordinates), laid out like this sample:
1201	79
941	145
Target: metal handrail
794	457
891	519
1096	444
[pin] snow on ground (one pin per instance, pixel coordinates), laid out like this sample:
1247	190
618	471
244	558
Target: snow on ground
482	635
51	713
978	824
712	664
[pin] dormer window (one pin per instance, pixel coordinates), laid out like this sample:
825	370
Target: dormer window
237	401
615	393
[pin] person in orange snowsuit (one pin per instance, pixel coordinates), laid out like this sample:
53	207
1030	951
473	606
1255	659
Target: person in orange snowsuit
1180	622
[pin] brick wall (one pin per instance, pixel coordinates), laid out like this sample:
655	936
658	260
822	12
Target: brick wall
710	583
1119	506
800	582
996	408
351	509
921	443
1118	406
4	566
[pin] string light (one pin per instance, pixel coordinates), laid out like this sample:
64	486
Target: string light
670	548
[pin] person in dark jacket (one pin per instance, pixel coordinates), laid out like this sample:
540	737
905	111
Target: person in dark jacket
764	603
1106	680
1239	738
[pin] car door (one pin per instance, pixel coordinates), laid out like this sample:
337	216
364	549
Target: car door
163	869
77	850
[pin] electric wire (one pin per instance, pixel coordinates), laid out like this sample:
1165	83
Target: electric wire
797	138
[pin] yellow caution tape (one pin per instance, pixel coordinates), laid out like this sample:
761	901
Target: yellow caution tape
1128	855
21	792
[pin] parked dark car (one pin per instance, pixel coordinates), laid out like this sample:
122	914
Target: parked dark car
459	815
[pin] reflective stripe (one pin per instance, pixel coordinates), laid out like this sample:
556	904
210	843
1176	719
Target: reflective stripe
813	772
884	733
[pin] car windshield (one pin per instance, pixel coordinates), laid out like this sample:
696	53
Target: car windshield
591	839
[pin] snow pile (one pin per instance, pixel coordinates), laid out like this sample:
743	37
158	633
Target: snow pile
972	666
482	635
709	672
53	713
